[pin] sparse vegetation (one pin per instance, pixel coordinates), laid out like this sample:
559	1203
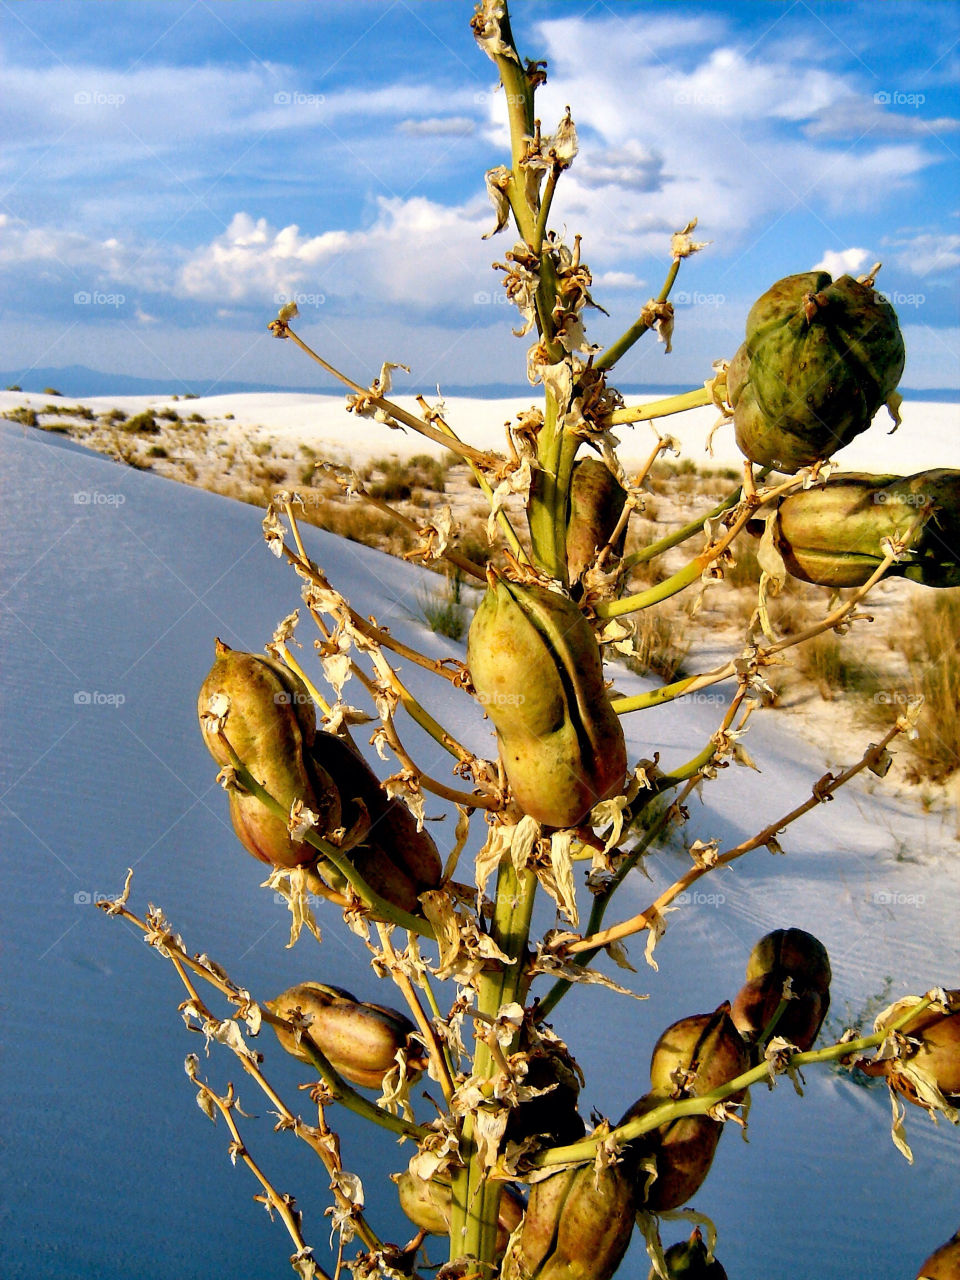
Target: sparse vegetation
444	612
932	648
23	414
142	424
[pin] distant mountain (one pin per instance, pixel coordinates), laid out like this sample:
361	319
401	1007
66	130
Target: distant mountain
77	381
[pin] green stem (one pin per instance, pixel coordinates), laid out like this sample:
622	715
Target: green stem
585	1150
671	586
548	505
696	399
688	530
639	327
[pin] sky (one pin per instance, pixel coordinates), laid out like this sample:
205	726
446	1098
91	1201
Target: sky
172	172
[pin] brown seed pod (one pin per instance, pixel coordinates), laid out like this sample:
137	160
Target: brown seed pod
596	503
795	954
758	1000
682	1151
577	1226
396	860
697	1054
943	1263
270	724
359	1040
931	1047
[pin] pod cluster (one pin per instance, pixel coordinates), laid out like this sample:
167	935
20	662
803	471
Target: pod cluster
271	726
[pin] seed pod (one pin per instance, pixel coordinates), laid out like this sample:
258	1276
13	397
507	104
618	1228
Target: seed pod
758	1000
428	1206
697	1054
396	860
943	1263
936	1056
553	1116
820	358
270	723
536	667
833	535
688	1260
692	1057
792	953
577	1226
596	503
359	1040
682	1150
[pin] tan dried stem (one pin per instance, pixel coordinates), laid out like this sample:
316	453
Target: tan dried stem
272	1197
424	428
822	791
439	1060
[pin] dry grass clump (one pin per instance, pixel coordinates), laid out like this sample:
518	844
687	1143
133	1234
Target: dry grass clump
931	645
400	479
661	645
831	663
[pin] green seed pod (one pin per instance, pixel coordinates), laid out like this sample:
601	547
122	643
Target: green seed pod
943	1263
758	1000
578	1225
792	953
428	1205
689	1260
697	1054
536	667
270	724
596	503
819	360
397	861
359	1040
832	535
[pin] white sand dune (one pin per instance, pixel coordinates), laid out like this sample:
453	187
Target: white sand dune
112	1170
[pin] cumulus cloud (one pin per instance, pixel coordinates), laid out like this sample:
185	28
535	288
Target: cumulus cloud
841	262
928	254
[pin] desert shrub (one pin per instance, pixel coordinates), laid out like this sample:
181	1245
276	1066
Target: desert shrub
444	611
23	414
142	424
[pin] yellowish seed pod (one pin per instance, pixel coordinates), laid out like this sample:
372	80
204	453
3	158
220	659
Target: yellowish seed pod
577	1226
536	667
359	1040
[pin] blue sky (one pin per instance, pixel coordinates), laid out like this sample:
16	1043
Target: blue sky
171	169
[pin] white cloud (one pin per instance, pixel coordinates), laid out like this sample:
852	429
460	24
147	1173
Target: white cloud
840	262
928	254
417	252
437	127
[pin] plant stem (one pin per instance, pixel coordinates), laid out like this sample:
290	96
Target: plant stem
585	1150
696	399
639	327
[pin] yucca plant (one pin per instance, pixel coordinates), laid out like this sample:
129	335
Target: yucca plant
506	1169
